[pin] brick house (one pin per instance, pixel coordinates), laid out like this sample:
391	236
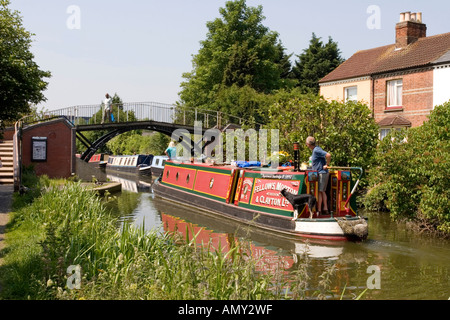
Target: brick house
400	82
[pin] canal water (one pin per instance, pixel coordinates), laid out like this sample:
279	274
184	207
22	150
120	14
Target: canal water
393	263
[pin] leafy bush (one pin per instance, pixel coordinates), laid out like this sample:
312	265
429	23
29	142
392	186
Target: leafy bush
412	177
345	130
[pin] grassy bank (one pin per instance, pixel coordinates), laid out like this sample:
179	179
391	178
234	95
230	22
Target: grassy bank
54	228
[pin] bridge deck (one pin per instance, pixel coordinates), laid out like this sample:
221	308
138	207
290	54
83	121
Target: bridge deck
137	125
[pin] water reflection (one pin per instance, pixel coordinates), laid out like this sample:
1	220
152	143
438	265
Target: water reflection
412	266
218	225
138	184
134	204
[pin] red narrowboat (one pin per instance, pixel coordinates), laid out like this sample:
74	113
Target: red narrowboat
253	196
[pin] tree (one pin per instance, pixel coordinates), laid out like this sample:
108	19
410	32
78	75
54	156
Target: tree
21	80
346	130
238	51
315	63
412	178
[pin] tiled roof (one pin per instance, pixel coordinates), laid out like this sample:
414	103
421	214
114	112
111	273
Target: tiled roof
424	52
394	120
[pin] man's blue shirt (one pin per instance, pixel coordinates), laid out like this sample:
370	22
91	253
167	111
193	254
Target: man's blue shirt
319	160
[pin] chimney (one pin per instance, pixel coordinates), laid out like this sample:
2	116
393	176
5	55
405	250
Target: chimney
409	29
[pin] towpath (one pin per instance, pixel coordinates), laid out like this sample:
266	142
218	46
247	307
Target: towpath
6	194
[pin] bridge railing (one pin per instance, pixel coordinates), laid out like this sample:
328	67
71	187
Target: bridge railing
144	111
124	112
210	118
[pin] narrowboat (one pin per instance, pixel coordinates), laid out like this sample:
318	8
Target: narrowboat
157	166
134	164
253	196
99	160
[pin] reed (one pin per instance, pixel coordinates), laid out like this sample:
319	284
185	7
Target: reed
69	225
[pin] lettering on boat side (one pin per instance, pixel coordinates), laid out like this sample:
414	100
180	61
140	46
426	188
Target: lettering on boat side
277	176
266	193
227	309
273	186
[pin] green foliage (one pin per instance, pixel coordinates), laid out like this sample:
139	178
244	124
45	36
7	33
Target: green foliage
345	130
412	179
241	64
238	50
316	62
69	226
243	102
131	142
21	80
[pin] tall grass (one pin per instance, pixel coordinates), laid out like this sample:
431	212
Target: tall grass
69	225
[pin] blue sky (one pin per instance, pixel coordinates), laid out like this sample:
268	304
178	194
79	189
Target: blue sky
140	49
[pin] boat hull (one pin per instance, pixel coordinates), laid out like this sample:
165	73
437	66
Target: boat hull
314	229
129	170
252	198
157	171
157	166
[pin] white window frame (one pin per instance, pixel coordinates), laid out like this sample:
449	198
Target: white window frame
385	131
348	97
394	87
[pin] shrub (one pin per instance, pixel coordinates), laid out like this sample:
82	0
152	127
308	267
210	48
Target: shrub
346	130
412	177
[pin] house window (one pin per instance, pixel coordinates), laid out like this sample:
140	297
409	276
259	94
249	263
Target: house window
394	93
385	131
351	94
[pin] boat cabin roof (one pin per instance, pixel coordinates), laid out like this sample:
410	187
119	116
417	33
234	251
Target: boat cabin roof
281	170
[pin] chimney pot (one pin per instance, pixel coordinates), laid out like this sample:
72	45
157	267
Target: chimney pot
410	29
408	16
419	17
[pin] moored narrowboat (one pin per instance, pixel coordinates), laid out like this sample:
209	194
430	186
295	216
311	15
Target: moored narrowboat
157	166
99	160
134	164
253	196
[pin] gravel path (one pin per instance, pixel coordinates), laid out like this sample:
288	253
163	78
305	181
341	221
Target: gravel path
6	192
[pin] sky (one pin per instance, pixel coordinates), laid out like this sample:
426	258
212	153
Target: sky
140	49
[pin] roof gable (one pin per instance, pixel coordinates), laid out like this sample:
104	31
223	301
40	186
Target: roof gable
394	120
424	52
444	58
